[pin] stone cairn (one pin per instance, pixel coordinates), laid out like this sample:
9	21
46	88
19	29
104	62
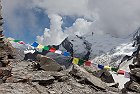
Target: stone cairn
6	53
134	83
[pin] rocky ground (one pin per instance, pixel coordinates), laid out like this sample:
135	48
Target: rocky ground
33	77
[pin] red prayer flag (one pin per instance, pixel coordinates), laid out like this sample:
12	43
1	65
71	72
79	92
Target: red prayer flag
52	50
88	63
21	42
121	72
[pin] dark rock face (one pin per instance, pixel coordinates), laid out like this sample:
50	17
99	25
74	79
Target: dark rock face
104	75
134	83
68	46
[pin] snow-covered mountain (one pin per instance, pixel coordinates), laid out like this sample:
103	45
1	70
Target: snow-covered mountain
104	49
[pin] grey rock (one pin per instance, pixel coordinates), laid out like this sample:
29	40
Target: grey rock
48	64
135	71
105	76
17	88
83	74
133	86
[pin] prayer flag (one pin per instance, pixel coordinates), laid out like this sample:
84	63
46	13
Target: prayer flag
40	46
58	52
88	63
75	61
66	54
121	72
35	44
16	40
100	66
46	48
114	69
107	67
52	50
126	74
81	62
21	42
39	50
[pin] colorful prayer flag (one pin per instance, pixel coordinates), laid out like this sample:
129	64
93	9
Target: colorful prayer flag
40	46
52	50
16	40
81	62
46	48
21	42
100	66
114	69
88	63
121	72
58	52
126	74
66	54
75	61
107	67
35	44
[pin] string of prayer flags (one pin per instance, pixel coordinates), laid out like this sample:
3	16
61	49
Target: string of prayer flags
81	62
35	44
88	63
58	52
107	67
40	46
100	66
66	54
52	49
46	48
75	61
121	72
126	74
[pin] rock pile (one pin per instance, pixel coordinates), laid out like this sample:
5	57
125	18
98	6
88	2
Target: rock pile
134	83
6	53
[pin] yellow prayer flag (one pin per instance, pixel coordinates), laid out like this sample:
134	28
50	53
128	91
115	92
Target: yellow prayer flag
40	46
75	60
107	67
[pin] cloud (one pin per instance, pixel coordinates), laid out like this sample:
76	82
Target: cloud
66	7
19	18
54	35
116	17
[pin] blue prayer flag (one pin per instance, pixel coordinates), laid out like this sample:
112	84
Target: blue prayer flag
35	44
66	54
100	66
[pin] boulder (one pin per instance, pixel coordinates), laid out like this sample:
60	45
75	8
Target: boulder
48	64
105	76
81	73
136	72
134	86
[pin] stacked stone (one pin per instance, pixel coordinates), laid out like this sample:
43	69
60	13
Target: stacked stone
134	83
5	69
1	29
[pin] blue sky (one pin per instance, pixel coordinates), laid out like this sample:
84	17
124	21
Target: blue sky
48	20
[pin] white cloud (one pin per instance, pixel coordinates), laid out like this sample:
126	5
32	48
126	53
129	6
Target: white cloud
54	35
117	17
80	27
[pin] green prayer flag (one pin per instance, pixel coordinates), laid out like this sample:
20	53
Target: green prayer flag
16	40
46	48
114	69
81	62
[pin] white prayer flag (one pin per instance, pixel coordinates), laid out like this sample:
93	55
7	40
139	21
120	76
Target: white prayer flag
58	52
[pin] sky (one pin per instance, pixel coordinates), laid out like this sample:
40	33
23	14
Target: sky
51	21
